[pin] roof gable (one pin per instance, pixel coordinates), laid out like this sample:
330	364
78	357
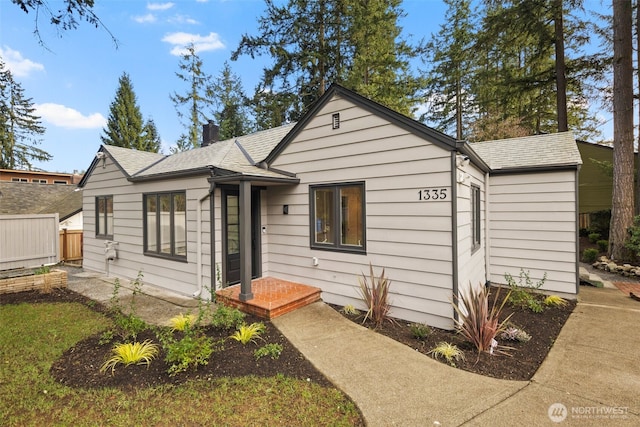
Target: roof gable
394	117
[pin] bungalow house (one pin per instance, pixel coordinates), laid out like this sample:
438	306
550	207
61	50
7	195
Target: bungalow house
315	202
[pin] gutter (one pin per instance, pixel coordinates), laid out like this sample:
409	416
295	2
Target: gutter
198	291
454	231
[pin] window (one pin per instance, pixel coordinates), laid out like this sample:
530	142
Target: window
19	180
104	216
475	217
165	224
60	182
39	181
338	217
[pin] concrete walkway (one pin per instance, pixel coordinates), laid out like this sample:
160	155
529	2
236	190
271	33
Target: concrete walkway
591	376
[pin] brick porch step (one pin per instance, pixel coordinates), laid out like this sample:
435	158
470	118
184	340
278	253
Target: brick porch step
272	297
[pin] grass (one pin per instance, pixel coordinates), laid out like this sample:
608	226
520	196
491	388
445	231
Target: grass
33	336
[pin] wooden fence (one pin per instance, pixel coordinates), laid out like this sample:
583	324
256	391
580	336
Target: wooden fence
70	245
28	241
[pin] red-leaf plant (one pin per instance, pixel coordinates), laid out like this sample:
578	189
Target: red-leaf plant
375	292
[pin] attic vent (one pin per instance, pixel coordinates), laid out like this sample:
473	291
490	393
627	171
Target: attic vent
335	121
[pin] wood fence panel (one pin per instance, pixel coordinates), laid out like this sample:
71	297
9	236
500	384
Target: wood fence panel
70	245
28	241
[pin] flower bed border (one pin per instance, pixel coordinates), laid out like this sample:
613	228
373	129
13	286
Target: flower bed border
43	282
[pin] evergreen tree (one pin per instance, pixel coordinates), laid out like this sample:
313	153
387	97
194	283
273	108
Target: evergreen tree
622	198
125	127
231	113
451	57
316	43
151	137
195	100
19	126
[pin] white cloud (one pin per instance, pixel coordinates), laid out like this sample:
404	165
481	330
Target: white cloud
201	43
66	117
17	64
145	19
160	6
182	19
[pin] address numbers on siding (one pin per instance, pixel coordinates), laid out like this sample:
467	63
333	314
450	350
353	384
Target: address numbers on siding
432	194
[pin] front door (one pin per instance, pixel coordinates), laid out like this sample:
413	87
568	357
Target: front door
231	235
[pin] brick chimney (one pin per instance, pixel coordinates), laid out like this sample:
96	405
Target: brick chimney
209	134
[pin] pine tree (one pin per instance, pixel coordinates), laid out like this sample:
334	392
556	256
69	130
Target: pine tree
19	126
316	43
125	127
151	137
451	57
622	199
195	100
231	105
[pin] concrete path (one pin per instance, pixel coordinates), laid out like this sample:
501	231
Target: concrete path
590	378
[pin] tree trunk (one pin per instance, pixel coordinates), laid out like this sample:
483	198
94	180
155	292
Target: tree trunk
561	74
622	201
637	177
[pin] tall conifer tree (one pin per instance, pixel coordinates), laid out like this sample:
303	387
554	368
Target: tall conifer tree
19	126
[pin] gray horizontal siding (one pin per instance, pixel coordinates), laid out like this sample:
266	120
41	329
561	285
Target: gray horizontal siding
128	230
533	227
409	238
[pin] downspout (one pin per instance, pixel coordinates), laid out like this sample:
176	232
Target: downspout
577	231
198	292
454	231
487	249
212	218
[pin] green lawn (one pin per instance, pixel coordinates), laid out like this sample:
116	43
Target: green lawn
33	336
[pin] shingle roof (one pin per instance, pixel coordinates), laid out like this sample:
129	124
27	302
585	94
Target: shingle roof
236	155
132	161
537	151
19	198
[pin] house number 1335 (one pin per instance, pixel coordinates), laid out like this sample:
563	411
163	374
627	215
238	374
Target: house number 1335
428	194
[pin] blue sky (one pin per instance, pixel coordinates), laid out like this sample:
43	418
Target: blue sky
74	79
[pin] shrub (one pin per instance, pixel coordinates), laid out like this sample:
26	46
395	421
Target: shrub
594	237
524	294
182	321
515	334
450	352
350	310
479	323
633	242
131	353
590	255
272	350
226	318
41	270
555	301
248	333
419	331
375	294
603	245
192	350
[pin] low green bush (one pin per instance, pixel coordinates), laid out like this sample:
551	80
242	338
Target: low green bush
590	255
273	350
603	245
594	237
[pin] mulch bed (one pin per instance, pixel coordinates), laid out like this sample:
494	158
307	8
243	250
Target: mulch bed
80	365
525	357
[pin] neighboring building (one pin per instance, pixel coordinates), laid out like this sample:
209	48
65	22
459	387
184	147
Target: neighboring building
315	202
18	198
37	177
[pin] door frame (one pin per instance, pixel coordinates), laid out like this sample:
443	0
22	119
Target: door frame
256	238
